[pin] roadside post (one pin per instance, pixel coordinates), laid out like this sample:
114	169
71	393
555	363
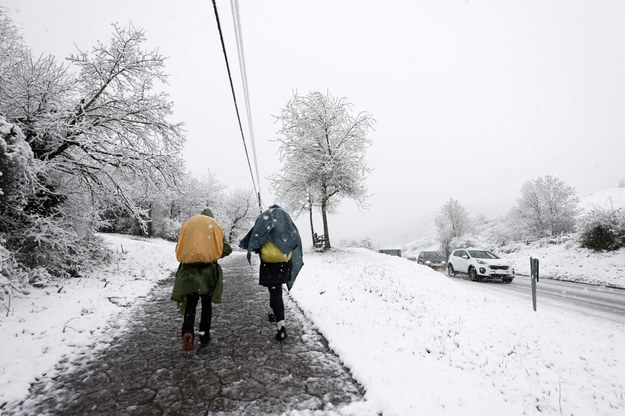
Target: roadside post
534	266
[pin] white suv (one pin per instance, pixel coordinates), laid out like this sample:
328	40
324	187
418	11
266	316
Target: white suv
479	264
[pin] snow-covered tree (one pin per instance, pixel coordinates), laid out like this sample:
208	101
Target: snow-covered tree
296	198
548	206
11	51
17	184
237	212
322	148
80	136
452	222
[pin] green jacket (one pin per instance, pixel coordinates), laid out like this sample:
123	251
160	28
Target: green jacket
201	278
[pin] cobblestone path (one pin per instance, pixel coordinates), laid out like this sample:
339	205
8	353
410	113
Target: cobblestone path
243	371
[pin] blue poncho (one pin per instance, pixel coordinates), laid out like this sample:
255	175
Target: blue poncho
276	226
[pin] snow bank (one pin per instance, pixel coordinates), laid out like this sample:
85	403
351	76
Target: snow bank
421	343
612	198
563	259
53	322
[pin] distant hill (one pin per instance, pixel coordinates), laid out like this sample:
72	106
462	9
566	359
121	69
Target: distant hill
422	235
608	198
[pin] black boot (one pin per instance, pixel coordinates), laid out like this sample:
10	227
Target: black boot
205	338
281	334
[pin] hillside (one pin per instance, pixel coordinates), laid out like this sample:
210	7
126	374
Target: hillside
560	258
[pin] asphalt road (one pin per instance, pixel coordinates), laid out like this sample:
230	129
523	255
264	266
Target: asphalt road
602	302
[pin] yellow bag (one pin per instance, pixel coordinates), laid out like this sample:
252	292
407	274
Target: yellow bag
269	253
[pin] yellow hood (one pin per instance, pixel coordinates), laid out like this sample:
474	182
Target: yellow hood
200	240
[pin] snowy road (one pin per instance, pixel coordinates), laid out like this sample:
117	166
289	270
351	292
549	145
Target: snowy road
599	301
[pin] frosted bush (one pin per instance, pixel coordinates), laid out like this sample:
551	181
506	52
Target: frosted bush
603	229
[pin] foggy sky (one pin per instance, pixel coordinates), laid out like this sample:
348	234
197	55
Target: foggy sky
471	98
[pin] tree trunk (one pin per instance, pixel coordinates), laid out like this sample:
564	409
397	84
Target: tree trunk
312	227
324	215
150	227
231	235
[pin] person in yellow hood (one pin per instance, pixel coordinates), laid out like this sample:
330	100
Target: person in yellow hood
201	243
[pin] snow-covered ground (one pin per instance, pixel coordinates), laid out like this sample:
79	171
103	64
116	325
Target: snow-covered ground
419	342
425	344
567	261
53	322
611	198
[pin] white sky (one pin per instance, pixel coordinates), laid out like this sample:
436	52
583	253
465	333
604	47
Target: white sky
471	98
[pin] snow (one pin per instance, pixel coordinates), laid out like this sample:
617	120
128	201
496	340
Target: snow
612	198
52	323
425	344
563	259
419	342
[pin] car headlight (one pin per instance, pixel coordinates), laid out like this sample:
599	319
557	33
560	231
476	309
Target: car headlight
481	262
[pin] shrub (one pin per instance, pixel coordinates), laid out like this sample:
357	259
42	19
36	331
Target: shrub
603	229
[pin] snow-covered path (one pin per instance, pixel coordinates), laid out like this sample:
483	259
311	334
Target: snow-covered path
243	371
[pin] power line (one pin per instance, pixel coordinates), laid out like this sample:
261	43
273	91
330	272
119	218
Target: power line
236	107
246	94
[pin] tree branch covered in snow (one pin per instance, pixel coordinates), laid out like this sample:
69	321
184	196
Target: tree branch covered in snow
76	140
322	149
452	222
548	206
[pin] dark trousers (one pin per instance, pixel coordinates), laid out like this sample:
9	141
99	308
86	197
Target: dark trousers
275	302
188	324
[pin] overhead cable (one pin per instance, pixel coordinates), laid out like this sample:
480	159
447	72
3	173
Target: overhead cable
236	107
246	92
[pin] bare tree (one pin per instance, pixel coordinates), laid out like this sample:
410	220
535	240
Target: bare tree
323	153
452	222
548	206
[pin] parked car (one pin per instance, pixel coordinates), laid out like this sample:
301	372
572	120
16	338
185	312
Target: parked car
479	264
433	259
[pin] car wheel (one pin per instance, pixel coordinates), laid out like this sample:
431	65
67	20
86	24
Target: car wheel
507	280
450	270
472	274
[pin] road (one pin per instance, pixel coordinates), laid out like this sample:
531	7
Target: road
602	302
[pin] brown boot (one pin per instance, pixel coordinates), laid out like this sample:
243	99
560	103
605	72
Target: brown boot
187	341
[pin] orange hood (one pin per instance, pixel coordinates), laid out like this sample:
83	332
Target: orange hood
200	240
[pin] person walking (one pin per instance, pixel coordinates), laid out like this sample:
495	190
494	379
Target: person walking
276	239
201	243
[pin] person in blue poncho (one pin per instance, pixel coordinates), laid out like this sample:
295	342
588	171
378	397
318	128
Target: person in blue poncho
276	239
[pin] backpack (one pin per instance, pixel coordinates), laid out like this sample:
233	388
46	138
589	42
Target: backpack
269	253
